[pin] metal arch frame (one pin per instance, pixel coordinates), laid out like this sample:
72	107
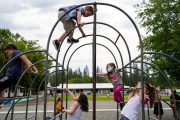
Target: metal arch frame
31	87
39	90
94	49
76	50
173	58
15	91
166	78
96	43
23	53
100	36
119	34
24	72
140	71
164	55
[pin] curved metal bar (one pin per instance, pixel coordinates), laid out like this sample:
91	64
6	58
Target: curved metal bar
140	70
39	90
90	44
15	91
164	76
100	36
119	34
159	71
141	51
163	54
85	45
103	37
141	43
32	85
11	108
23	53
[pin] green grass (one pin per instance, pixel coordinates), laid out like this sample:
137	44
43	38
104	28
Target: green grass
91	98
104	98
165	97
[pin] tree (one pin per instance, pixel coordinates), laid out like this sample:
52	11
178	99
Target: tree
98	78
161	18
86	71
79	73
135	76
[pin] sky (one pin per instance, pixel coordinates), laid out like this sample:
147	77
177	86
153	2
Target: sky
34	19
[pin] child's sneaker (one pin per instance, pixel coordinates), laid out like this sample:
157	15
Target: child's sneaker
121	106
1	105
72	40
56	44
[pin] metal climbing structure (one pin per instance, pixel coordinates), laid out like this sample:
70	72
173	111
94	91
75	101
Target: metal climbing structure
64	67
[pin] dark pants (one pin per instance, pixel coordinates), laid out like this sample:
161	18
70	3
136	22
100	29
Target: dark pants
6	82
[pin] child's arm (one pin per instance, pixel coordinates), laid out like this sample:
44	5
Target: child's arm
71	94
79	23
72	109
120	69
29	64
132	93
101	74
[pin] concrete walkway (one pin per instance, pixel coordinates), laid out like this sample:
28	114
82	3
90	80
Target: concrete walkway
106	110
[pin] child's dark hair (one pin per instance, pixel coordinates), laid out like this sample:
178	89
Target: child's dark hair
151	91
83	101
59	99
11	46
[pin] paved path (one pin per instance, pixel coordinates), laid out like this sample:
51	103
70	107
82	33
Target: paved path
106	110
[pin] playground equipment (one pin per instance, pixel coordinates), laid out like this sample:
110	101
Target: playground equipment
64	67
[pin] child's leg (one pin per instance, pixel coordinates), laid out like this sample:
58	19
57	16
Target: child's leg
117	94
62	37
68	26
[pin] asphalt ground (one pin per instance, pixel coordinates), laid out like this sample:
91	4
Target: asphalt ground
105	110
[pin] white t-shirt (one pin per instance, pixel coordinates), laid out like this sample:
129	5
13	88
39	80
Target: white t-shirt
76	115
132	108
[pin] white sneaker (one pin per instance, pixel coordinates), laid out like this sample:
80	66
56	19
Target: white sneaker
1	105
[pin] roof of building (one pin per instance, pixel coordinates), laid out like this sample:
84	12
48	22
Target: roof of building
89	86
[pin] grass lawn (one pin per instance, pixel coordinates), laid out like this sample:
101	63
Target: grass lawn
105	98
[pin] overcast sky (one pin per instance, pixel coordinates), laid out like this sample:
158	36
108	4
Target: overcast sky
34	19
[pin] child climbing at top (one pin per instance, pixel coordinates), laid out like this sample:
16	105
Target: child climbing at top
69	23
115	78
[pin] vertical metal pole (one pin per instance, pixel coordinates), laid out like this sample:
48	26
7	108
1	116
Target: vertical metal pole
142	83
45	88
94	63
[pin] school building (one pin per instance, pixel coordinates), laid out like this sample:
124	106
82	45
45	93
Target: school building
87	88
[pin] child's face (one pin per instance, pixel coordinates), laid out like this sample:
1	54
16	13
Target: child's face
87	13
139	87
9	52
110	66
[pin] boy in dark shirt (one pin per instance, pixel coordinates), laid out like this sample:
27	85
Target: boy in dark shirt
15	69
